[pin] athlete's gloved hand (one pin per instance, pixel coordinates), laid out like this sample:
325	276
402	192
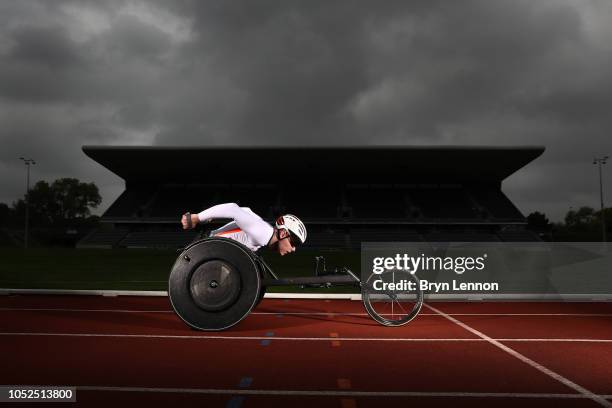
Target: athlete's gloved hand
189	220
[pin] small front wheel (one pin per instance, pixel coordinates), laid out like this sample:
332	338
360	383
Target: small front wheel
392	298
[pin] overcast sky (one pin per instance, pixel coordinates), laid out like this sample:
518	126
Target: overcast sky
309	72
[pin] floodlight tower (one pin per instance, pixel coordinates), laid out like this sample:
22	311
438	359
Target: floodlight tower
28	163
601	161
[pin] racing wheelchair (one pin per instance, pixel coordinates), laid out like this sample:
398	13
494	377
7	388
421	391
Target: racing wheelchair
216	282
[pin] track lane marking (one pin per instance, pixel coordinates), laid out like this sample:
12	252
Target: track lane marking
365	339
266	341
552	374
348	403
236	401
335	342
345	384
8	309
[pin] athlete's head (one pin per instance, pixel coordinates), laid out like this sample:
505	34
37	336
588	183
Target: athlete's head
290	233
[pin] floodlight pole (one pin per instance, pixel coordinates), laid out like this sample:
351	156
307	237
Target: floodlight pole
601	161
28	163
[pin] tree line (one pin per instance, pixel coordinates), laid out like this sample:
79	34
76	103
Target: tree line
59	212
583	224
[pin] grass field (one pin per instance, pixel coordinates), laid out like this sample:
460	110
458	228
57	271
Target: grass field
133	269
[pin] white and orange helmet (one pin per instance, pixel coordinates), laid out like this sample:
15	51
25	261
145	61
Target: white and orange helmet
290	226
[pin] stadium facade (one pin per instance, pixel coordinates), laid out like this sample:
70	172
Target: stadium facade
345	195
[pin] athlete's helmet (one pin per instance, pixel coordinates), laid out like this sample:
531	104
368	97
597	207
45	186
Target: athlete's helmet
292	225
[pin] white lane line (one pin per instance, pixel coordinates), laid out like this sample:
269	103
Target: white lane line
450	314
171	336
528	314
15	309
364	339
568	383
10	309
332	393
558	340
163	293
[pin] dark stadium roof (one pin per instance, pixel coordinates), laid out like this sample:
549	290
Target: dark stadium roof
368	164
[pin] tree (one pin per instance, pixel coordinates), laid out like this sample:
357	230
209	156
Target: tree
581	218
536	221
607	214
60	204
5	213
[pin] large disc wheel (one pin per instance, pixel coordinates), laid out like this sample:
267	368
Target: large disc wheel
262	293
392	298
214	284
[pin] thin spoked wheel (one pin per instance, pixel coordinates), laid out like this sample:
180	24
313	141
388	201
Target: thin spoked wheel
392	298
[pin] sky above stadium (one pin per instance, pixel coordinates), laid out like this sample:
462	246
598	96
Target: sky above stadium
498	73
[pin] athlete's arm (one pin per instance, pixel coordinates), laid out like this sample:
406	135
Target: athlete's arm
259	230
251	211
227	210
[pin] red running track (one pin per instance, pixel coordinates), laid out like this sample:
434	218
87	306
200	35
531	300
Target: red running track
120	350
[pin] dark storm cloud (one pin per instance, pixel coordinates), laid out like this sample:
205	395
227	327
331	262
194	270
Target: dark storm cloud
38	65
294	72
46	46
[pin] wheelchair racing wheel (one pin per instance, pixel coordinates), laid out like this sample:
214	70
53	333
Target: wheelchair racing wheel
214	284
392	298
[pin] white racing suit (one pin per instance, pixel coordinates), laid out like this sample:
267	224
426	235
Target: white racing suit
247	227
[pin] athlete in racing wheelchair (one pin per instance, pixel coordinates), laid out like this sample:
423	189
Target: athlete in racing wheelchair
218	279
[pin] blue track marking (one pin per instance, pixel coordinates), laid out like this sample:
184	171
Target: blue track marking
267	342
236	402
245	382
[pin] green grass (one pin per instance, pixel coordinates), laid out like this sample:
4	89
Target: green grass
134	269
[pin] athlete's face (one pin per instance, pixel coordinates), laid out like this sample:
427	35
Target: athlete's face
284	246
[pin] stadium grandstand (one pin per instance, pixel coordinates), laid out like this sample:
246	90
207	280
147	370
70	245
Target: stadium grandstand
345	195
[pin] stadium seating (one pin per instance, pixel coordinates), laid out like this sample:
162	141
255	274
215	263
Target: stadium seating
160	239
339	216
171	201
444	203
129	203
461	236
376	203
103	238
311	203
496	202
259	199
380	234
329	239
